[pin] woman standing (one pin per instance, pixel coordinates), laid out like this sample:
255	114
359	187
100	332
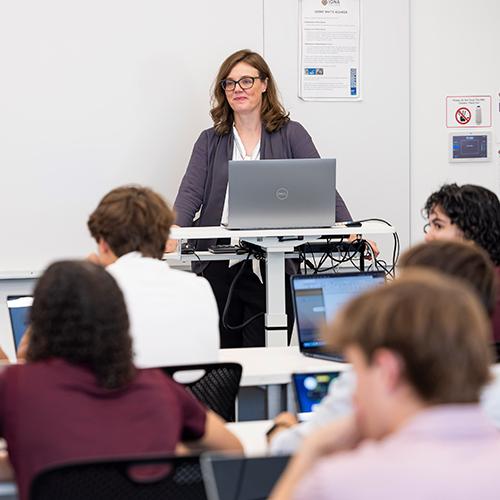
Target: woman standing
250	123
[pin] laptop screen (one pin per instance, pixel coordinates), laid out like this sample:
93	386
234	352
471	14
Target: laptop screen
317	298
19	308
240	478
311	388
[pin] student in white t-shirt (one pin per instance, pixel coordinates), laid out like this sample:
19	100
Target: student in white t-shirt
173	314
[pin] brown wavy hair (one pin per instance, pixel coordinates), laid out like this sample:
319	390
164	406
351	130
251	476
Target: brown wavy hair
79	315
130	219
273	113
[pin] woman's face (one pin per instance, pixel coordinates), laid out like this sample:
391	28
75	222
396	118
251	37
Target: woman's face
440	227
245	101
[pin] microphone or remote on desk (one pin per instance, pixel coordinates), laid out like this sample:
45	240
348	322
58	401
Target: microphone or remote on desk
218	249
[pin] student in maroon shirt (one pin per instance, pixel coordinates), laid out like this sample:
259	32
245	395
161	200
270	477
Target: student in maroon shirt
79	395
470	213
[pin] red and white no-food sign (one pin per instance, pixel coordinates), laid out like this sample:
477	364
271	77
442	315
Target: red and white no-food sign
472	111
463	115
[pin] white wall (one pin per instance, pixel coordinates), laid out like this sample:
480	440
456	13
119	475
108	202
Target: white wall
454	51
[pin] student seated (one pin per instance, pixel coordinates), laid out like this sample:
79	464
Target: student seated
419	348
79	395
469	263
173	314
467	213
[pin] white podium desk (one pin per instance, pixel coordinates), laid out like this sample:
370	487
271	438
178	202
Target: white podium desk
276	243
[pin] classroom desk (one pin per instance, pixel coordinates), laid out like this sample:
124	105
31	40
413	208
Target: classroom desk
252	435
273	367
276	243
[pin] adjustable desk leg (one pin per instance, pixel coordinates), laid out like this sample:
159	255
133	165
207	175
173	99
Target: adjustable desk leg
276	319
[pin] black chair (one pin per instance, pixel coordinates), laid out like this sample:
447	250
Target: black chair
217	388
149	478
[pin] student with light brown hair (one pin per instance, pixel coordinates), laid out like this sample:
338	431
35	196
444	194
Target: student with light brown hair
420	349
173	314
462	260
130	219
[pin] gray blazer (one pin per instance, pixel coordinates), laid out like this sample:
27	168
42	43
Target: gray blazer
205	182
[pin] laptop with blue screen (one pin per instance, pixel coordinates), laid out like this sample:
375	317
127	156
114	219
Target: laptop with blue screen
310	389
19	307
316	300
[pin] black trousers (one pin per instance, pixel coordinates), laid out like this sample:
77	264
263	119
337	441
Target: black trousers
249	299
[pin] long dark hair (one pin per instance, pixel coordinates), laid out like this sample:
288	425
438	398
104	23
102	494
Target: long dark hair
273	113
79	315
475	210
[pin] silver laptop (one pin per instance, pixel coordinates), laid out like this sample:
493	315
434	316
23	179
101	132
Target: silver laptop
280	194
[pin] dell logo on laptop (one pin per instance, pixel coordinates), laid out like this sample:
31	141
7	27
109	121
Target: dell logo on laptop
282	193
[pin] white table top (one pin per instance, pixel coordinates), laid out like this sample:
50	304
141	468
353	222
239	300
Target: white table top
252	435
210	232
275	365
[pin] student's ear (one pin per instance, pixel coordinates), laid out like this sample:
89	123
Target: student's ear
103	246
390	368
106	255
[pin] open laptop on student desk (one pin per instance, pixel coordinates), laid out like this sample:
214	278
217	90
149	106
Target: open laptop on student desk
229	477
316	300
281	194
19	307
310	389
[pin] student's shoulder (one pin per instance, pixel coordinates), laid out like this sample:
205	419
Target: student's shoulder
188	279
339	474
156	379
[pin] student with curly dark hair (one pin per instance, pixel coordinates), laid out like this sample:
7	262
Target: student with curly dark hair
79	395
465	212
470	213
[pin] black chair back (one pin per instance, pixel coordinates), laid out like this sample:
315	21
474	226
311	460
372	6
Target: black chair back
217	388
124	479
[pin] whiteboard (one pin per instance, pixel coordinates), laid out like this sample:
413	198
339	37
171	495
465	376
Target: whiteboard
99	93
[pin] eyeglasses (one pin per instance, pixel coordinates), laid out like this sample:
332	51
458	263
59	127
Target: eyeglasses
245	83
427	228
